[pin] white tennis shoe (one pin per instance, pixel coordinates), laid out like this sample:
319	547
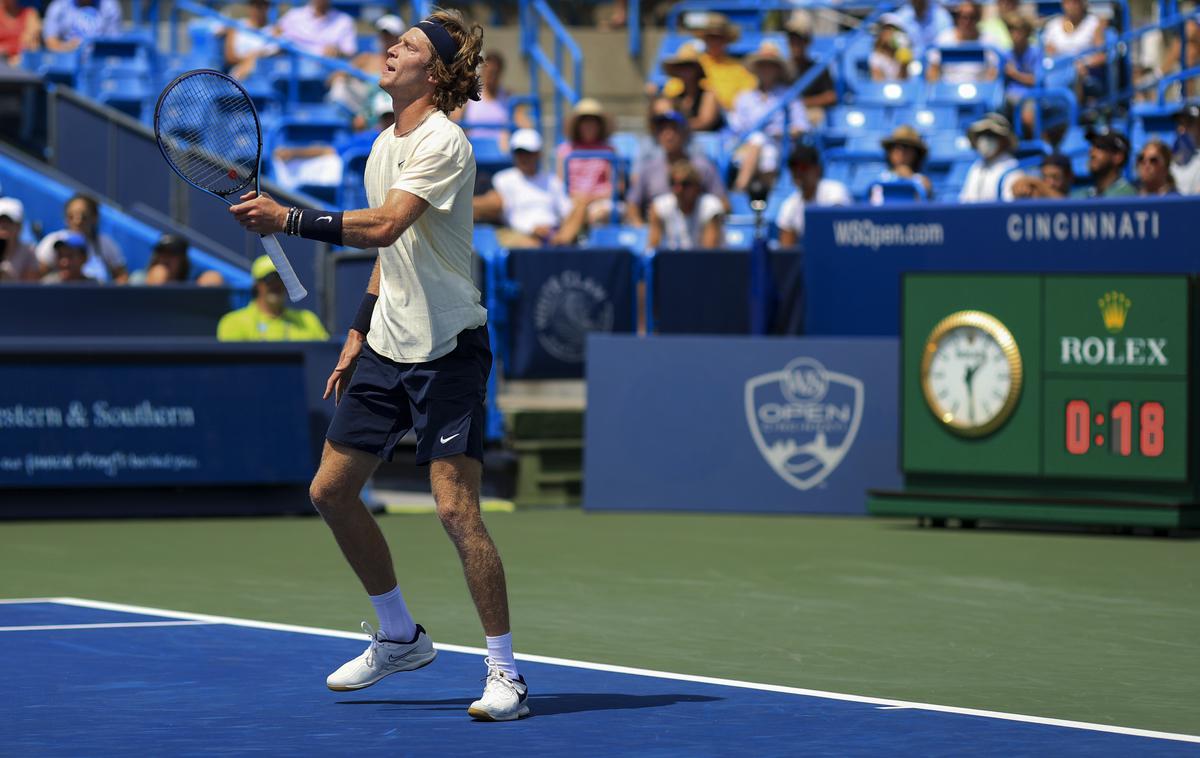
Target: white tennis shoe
382	657
503	699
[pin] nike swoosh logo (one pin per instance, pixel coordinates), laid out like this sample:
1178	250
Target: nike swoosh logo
447	439
325	218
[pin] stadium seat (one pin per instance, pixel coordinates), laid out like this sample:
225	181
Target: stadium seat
848	120
57	68
739	235
351	192
887	93
897	191
630	237
864	176
968	98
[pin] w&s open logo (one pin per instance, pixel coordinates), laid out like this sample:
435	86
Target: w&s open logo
804	419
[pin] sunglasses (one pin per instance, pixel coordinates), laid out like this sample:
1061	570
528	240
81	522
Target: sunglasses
684	183
1153	159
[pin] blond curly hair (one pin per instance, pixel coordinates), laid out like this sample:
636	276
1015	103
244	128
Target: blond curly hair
459	81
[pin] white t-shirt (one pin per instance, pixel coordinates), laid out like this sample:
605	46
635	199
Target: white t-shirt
426	292
103	254
531	202
982	184
1187	176
682	232
312	33
1055	35
791	213
963	72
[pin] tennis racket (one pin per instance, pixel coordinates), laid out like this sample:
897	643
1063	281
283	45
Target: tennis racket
208	130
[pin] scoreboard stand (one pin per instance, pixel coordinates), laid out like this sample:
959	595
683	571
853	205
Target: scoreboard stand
1048	398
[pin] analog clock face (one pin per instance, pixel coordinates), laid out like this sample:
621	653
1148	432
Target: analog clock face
971	373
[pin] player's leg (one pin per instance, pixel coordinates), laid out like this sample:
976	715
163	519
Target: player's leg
335	490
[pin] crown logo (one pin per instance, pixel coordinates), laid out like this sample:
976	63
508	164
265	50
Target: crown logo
1114	307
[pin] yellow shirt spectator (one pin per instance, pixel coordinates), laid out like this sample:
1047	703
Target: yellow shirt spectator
727	78
266	319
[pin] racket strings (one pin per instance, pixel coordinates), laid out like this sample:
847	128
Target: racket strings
209	131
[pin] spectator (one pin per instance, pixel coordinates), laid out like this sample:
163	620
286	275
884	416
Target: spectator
169	264
266	318
588	180
653	176
20	30
688	90
530	202
1154	170
820	94
964	32
1185	163
243	49
804	163
891	55
1054	183
1070	34
993	139
1171	60
905	153
759	154
726	75
17	261
319	29
70	255
355	94
1020	66
996	25
70	23
489	116
1107	160
685	218
922	22
105	261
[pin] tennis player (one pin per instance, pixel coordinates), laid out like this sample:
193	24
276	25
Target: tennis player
417	356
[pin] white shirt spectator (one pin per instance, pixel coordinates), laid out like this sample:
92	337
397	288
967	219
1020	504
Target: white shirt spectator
104	255
312	33
888	66
791	213
752	105
1187	176
982	184
246	44
682	232
531	203
66	20
1072	42
963	72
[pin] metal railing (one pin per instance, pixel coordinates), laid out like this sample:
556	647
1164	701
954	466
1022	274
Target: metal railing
533	15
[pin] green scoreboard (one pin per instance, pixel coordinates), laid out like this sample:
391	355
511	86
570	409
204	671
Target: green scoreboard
1047	398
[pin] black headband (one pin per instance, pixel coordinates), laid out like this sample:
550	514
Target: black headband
443	43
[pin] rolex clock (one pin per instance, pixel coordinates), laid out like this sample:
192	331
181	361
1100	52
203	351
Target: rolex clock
971	373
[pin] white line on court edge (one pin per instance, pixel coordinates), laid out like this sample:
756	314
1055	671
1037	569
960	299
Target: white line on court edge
898	704
114	625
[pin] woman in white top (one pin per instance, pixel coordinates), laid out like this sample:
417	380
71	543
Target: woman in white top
964	32
105	261
242	49
1070	34
685	218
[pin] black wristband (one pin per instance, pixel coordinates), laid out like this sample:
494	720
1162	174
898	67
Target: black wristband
362	319
322	226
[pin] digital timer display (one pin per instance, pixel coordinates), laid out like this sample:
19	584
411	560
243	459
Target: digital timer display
1115	429
1123	424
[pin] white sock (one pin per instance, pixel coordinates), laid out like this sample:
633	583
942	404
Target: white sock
501	653
395	623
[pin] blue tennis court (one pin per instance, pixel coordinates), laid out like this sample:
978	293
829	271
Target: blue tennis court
93	678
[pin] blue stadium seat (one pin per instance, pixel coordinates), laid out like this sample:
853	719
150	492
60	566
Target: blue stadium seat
949	147
351	192
865	175
929	119
898	191
739	235
630	237
848	120
888	93
56	68
862	147
969	98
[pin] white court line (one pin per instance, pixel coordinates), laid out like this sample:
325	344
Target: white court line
28	600
114	625
249	623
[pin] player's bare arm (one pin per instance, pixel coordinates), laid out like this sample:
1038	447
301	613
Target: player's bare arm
370	227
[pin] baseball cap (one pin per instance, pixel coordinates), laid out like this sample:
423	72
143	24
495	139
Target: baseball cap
12	207
670	117
72	239
526	139
172	242
1108	139
390	23
262	267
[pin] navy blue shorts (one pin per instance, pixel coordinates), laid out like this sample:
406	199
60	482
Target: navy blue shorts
442	400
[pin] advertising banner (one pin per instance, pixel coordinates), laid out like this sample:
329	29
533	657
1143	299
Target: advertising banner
785	425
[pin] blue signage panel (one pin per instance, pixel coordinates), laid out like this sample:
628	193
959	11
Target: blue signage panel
134	421
854	256
788	425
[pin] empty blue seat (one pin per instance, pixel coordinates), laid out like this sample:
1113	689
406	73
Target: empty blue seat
629	237
848	120
903	93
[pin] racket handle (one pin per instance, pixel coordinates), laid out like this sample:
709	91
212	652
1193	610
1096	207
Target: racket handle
295	289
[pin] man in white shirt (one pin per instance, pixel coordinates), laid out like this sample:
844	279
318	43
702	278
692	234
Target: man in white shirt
318	29
804	163
530	202
994	140
1185	165
426	360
